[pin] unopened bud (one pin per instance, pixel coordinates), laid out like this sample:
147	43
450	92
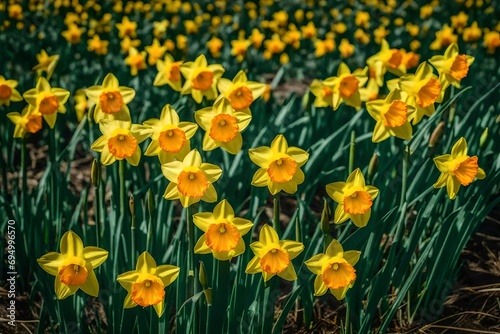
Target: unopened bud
95	174
372	167
131	205
325	218
436	134
484	138
203	276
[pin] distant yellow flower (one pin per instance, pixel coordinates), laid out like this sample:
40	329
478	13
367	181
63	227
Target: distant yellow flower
444	37
345	87
386	59
169	72
146	284
320	48
292	37
380	33
126	28
136	60
98	46
28	121
362	19
413	29
322	93
47	100
120	140
256	38
191	27
201	78
346	49
155	51
241	92
279	166
361	36
339	28
74	266
281	17
126	43
46	63
472	33
73	34
457	169
459	21
239	48
452	67
160	28
170	138
392	118
426	11
8	92
214	45
354	199
191	180
273	256
309	31
491	41
222	232
334	269
81	104
181	42
110	99
273	46
15	11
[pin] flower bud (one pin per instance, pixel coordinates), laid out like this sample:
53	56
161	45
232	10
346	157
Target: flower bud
484	139
436	134
95	174
325	218
372	167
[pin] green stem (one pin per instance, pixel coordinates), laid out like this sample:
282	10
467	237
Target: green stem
220	304
97	206
406	153
121	174
26	215
132	239
351	151
276	214
190	228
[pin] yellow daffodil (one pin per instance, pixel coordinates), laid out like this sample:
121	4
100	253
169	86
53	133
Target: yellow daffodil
457	169
169	73
459	21
410	59
8	92
170	138
452	66
73	34
392	117
74	266
136	60
110	99
146	284
491	41
423	89
256	38
240	92
47	100
126	44
15	11
273	46
191	180
126	28
334	269
120	140
309	31
97	45
160	28
444	37
222	232
273	256
81	104
201	78
346	49
354	199
155	51
472	33
239	48
214	45
46	63
386	59
279	166
362	19
322	93
223	126
28	121
345	86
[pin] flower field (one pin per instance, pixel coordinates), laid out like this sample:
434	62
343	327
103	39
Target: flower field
238	166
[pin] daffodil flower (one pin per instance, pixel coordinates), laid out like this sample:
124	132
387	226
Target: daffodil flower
334	269
170	138
81	104
8	92
354	199
28	121
322	93
136	60
392	116
457	169
222	232
222	126
74	266
273	256
46	63
279	166
241	92
201	78
169	73
452	66
110	99
47	100
386	59
146	284
345	87
126	28
120	140
191	180
155	51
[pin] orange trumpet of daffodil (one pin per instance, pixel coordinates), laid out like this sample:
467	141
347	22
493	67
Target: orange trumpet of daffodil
240	92
452	66
345	86
8	92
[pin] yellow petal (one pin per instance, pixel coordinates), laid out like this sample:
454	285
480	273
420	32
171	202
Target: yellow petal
62	290
319	286
145	264
71	244
167	273
459	148
361	220
253	267
96	256
91	286
315	264
268	235
51	262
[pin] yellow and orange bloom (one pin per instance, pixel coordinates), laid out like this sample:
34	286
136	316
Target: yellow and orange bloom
491	41
273	256
279	166
256	38
169	73
74	266
472	33
146	284
136	60
345	86
191	180
391	116
334	269
239	48
452	66
8	92
346	49
386	59
214	45
354	199
47	100
457	169
444	37
73	34
27	121
46	63
110	99
81	104
273	46
170	137
240	92
155	51
322	93
120	140
126	28
222	232
126	44
201	78
97	45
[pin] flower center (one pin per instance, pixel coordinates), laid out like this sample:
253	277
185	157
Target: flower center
203	79
357	203
172	140
33	123
224	128
5	92
73	273
48	105
338	275
122	145
465	171
147	290
174	74
348	86
192	182
241	98
111	102
275	261
429	93
137	61
222	237
282	169
327	92
459	68
396	114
